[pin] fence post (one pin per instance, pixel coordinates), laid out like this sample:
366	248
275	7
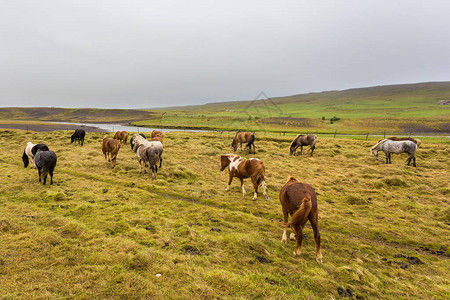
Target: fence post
367	136
335	134
384	134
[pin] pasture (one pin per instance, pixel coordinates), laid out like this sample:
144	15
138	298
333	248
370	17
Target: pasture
99	232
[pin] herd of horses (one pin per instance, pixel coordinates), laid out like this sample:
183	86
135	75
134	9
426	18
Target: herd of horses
298	200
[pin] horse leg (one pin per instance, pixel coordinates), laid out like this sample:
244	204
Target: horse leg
51	176
254	148
241	147
387	158
229	182
299	232
255	187
285	220
312	150
242	186
315	226
160	161
39	172
390	160
414	160
263	184
301	149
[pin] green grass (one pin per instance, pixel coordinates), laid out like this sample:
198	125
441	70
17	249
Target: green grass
105	233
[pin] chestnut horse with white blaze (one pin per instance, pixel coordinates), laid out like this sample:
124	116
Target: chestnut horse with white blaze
244	137
300	201
156	133
251	168
122	136
110	148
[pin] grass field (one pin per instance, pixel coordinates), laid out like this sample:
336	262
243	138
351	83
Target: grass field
99	232
395	109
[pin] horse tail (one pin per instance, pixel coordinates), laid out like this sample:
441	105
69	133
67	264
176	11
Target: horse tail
261	173
313	143
301	214
251	140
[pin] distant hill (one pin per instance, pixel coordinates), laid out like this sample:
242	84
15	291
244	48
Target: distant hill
428	92
88	115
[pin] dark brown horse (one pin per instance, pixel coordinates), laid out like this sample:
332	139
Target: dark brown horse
122	136
300	201
244	137
110	148
251	168
303	140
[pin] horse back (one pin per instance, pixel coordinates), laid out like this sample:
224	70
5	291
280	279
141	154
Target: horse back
293	193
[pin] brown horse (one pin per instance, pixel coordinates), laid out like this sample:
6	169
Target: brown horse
251	168
244	137
300	201
303	140
122	136
157	138
156	133
110	148
394	138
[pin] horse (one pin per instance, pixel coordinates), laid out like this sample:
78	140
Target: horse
45	162
78	136
29	153
251	168
110	148
122	136
389	146
137	140
394	138
150	155
299	200
156	133
157	138
303	140
244	137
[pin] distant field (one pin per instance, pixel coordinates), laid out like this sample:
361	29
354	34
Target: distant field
106	233
395	109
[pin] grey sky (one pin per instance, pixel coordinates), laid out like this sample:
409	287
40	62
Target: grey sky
135	54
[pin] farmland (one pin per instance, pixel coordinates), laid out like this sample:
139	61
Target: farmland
99	232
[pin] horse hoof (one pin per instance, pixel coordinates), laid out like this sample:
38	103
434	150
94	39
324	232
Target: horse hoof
319	260
266	197
284	241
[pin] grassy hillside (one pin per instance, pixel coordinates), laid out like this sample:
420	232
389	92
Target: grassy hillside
396	109
84	115
106	233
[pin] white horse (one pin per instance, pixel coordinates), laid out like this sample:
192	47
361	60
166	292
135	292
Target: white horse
389	146
137	140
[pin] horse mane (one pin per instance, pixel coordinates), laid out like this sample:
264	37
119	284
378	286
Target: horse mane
291	178
295	140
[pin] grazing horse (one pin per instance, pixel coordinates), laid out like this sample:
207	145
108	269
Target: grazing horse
137	140
299	200
122	136
30	152
78	136
389	146
157	138
303	140
394	138
45	162
147	154
110	148
251	168
244	137
156	133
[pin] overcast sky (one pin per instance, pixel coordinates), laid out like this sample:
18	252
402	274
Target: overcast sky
139	54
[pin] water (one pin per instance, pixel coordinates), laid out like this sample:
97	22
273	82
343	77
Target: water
118	127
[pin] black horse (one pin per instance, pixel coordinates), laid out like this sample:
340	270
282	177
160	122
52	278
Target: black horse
78	136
